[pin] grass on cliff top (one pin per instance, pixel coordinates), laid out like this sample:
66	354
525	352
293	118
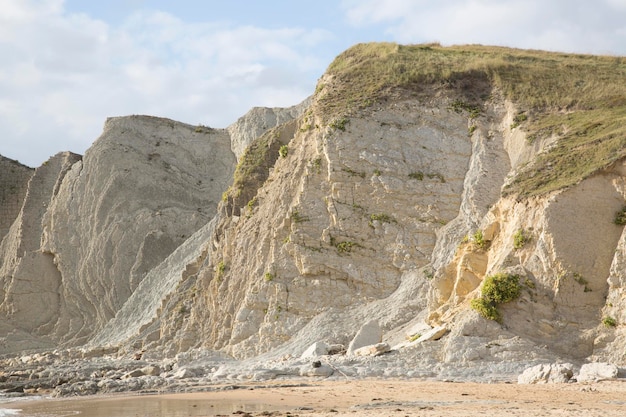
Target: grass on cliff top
581	98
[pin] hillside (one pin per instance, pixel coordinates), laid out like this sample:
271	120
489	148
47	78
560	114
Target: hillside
472	191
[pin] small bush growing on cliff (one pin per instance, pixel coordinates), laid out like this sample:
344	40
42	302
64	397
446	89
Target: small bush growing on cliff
283	151
479	241
296	217
497	289
519	239
340	124
609	321
620	217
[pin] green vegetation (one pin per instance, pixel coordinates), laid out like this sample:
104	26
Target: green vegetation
340	123
418	175
296	217
382	217
497	289
582	281
520	238
518	119
460	106
317	164
414	337
620	217
269	276
353	173
252	170
283	151
579	98
609	321
437	175
478	240
345	247
377	172
220	270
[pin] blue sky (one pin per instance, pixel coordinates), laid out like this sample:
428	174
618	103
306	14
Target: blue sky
67	65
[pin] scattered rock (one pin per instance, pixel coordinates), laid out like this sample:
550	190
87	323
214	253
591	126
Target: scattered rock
316	349
547	373
133	374
369	334
373	350
435	333
597	371
152	370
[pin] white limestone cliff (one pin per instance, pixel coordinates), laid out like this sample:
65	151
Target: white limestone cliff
330	222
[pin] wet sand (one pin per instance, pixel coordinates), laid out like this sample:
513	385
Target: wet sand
354	398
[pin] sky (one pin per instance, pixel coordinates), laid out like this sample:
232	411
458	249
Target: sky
67	65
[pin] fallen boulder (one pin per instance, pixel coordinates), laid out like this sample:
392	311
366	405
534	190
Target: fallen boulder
315	350
373	350
552	373
597	371
369	334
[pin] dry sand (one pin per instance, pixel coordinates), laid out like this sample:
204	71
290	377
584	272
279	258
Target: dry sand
355	398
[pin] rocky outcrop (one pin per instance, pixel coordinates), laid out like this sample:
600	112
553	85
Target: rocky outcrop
91	229
14	179
259	120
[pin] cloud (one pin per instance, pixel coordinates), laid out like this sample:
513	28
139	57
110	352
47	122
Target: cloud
563	25
62	74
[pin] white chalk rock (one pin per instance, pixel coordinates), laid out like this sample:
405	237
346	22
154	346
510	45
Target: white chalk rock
546	373
597	371
369	334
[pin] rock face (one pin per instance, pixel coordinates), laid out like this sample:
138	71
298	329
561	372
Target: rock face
91	229
393	204
14	179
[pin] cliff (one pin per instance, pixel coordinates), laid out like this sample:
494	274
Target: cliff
475	189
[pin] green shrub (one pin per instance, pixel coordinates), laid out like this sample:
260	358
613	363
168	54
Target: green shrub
296	217
620	217
340	124
283	151
479	241
269	276
219	270
501	288
609	321
345	247
519	239
382	217
419	175
486	309
497	289
518	119
353	173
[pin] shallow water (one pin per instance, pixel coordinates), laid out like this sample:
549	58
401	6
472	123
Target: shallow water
140	406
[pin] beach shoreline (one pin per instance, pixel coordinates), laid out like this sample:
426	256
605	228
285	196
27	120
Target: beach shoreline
370	397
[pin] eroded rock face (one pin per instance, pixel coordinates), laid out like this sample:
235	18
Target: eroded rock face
92	229
345	212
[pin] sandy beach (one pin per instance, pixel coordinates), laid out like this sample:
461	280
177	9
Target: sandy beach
353	398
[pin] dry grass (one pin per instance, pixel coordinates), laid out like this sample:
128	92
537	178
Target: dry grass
581	98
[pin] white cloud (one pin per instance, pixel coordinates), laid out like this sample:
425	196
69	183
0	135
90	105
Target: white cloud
566	25
62	74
